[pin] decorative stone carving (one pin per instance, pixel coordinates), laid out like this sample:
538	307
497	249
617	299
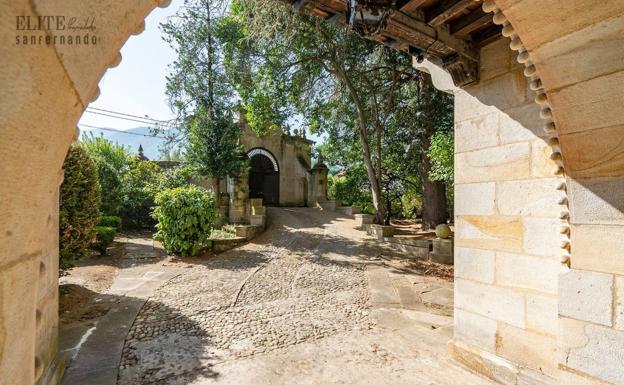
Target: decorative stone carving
463	70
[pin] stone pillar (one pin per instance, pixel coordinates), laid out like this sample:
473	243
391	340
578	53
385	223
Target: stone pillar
317	188
238	190
507	241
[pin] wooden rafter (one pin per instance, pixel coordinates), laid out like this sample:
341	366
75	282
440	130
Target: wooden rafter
412	6
447	10
477	19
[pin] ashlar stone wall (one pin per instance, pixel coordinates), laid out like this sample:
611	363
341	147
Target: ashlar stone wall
507	226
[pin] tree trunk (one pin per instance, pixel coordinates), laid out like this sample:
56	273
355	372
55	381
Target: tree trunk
434	194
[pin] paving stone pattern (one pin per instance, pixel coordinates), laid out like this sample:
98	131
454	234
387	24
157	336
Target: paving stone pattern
248	301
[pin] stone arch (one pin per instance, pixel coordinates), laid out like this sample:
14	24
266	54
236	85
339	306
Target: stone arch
264	152
264	176
580	64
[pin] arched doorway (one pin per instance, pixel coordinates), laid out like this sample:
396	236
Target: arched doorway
263	176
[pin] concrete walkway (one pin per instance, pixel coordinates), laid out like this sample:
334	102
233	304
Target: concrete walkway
310	301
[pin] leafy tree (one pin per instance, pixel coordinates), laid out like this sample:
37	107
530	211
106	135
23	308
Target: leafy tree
112	161
79	201
377	109
441	155
200	93
335	80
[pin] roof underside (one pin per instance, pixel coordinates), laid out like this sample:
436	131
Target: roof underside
449	32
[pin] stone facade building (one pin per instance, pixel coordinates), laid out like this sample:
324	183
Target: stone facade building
280	173
540	177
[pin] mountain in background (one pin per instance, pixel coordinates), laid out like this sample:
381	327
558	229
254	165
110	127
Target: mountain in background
132	138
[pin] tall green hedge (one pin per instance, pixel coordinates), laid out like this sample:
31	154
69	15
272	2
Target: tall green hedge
185	216
79	206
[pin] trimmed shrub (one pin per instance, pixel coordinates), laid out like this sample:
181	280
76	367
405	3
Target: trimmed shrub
104	236
110	221
79	202
186	217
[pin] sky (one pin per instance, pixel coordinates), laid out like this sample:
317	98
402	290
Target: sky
137	85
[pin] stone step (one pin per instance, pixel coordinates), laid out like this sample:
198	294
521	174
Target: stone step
258	210
257	220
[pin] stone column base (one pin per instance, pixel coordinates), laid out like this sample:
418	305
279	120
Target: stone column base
495	367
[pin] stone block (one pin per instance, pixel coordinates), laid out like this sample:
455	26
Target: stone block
503	92
542	236
592	349
495	302
258	210
594	201
329	205
489	232
520	124
534	197
257	220
594	153
477	133
587	296
475	199
541	28
542	313
590	104
598	248
542	166
485	363
495	59
363	219
400	247
506	162
442	251
380	231
527	348
475	330
619	303
475	264
468	106
527	272
581	55
255	202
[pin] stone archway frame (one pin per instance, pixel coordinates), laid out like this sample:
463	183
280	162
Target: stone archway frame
263	151
442	80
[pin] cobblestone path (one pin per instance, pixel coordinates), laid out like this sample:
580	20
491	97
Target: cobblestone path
282	290
309	301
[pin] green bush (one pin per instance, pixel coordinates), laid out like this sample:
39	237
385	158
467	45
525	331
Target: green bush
79	206
104	236
139	187
110	221
112	161
185	217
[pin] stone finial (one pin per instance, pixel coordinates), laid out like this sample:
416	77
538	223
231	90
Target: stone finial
443	231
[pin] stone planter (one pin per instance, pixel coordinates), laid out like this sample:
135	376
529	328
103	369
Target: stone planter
380	231
363	219
442	251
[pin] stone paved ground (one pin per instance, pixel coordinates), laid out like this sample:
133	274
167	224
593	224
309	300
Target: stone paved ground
308	302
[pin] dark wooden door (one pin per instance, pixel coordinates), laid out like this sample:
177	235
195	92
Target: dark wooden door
263	180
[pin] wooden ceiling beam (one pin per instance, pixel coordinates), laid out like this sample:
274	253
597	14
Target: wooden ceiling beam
477	19
487	35
412	6
447	10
